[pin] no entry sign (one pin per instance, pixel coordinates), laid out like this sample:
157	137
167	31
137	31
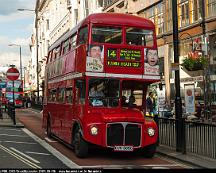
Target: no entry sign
12	74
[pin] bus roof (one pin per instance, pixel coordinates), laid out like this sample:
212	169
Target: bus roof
118	19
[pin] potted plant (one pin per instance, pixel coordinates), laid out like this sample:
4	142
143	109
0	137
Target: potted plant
194	62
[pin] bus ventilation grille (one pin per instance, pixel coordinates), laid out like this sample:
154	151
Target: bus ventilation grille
116	132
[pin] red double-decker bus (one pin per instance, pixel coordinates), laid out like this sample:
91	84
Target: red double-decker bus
96	81
18	92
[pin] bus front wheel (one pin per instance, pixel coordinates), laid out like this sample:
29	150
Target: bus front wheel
80	146
150	150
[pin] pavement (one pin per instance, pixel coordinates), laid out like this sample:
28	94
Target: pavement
189	158
6	121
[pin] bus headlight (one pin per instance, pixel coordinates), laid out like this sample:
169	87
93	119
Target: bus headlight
151	131
94	130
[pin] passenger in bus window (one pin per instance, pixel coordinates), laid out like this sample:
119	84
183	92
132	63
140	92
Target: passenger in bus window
131	102
124	103
95	58
150	102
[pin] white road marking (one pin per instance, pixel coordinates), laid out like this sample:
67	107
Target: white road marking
161	166
49	140
23	154
14	135
31	143
52	150
27	162
10	129
31	152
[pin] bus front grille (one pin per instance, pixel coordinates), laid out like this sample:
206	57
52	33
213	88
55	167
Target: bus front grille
115	134
132	135
123	134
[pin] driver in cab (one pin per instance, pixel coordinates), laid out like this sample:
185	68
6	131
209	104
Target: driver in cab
96	96
94	92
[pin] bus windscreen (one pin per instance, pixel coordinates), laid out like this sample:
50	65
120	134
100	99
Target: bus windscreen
139	37
104	92
107	34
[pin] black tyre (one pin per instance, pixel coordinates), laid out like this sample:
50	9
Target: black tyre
80	145
49	133
150	150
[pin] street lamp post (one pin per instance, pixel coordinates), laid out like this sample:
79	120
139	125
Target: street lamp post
206	71
36	40
20	51
180	142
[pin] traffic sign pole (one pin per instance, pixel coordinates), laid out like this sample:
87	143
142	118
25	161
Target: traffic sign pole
13	74
13	109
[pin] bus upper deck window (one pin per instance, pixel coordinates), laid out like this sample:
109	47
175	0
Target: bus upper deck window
107	34
139	37
83	35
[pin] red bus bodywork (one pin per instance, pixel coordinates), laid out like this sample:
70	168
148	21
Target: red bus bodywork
77	122
18	92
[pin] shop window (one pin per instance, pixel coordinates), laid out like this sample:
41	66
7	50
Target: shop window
184	12
211	8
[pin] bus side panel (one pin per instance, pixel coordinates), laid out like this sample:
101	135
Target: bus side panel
55	119
81	59
67	123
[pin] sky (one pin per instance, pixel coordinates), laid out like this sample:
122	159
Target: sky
16	27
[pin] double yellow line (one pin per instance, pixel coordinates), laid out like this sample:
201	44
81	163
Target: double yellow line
27	162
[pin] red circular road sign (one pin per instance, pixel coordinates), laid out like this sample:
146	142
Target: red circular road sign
12	73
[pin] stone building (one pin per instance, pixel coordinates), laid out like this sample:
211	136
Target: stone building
196	31
53	19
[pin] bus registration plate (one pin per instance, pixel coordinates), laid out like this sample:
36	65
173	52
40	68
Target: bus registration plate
123	148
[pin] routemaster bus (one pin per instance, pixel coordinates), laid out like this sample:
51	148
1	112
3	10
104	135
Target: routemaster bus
96	81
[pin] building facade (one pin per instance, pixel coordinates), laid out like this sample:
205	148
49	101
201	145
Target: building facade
196	25
196	22
53	19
